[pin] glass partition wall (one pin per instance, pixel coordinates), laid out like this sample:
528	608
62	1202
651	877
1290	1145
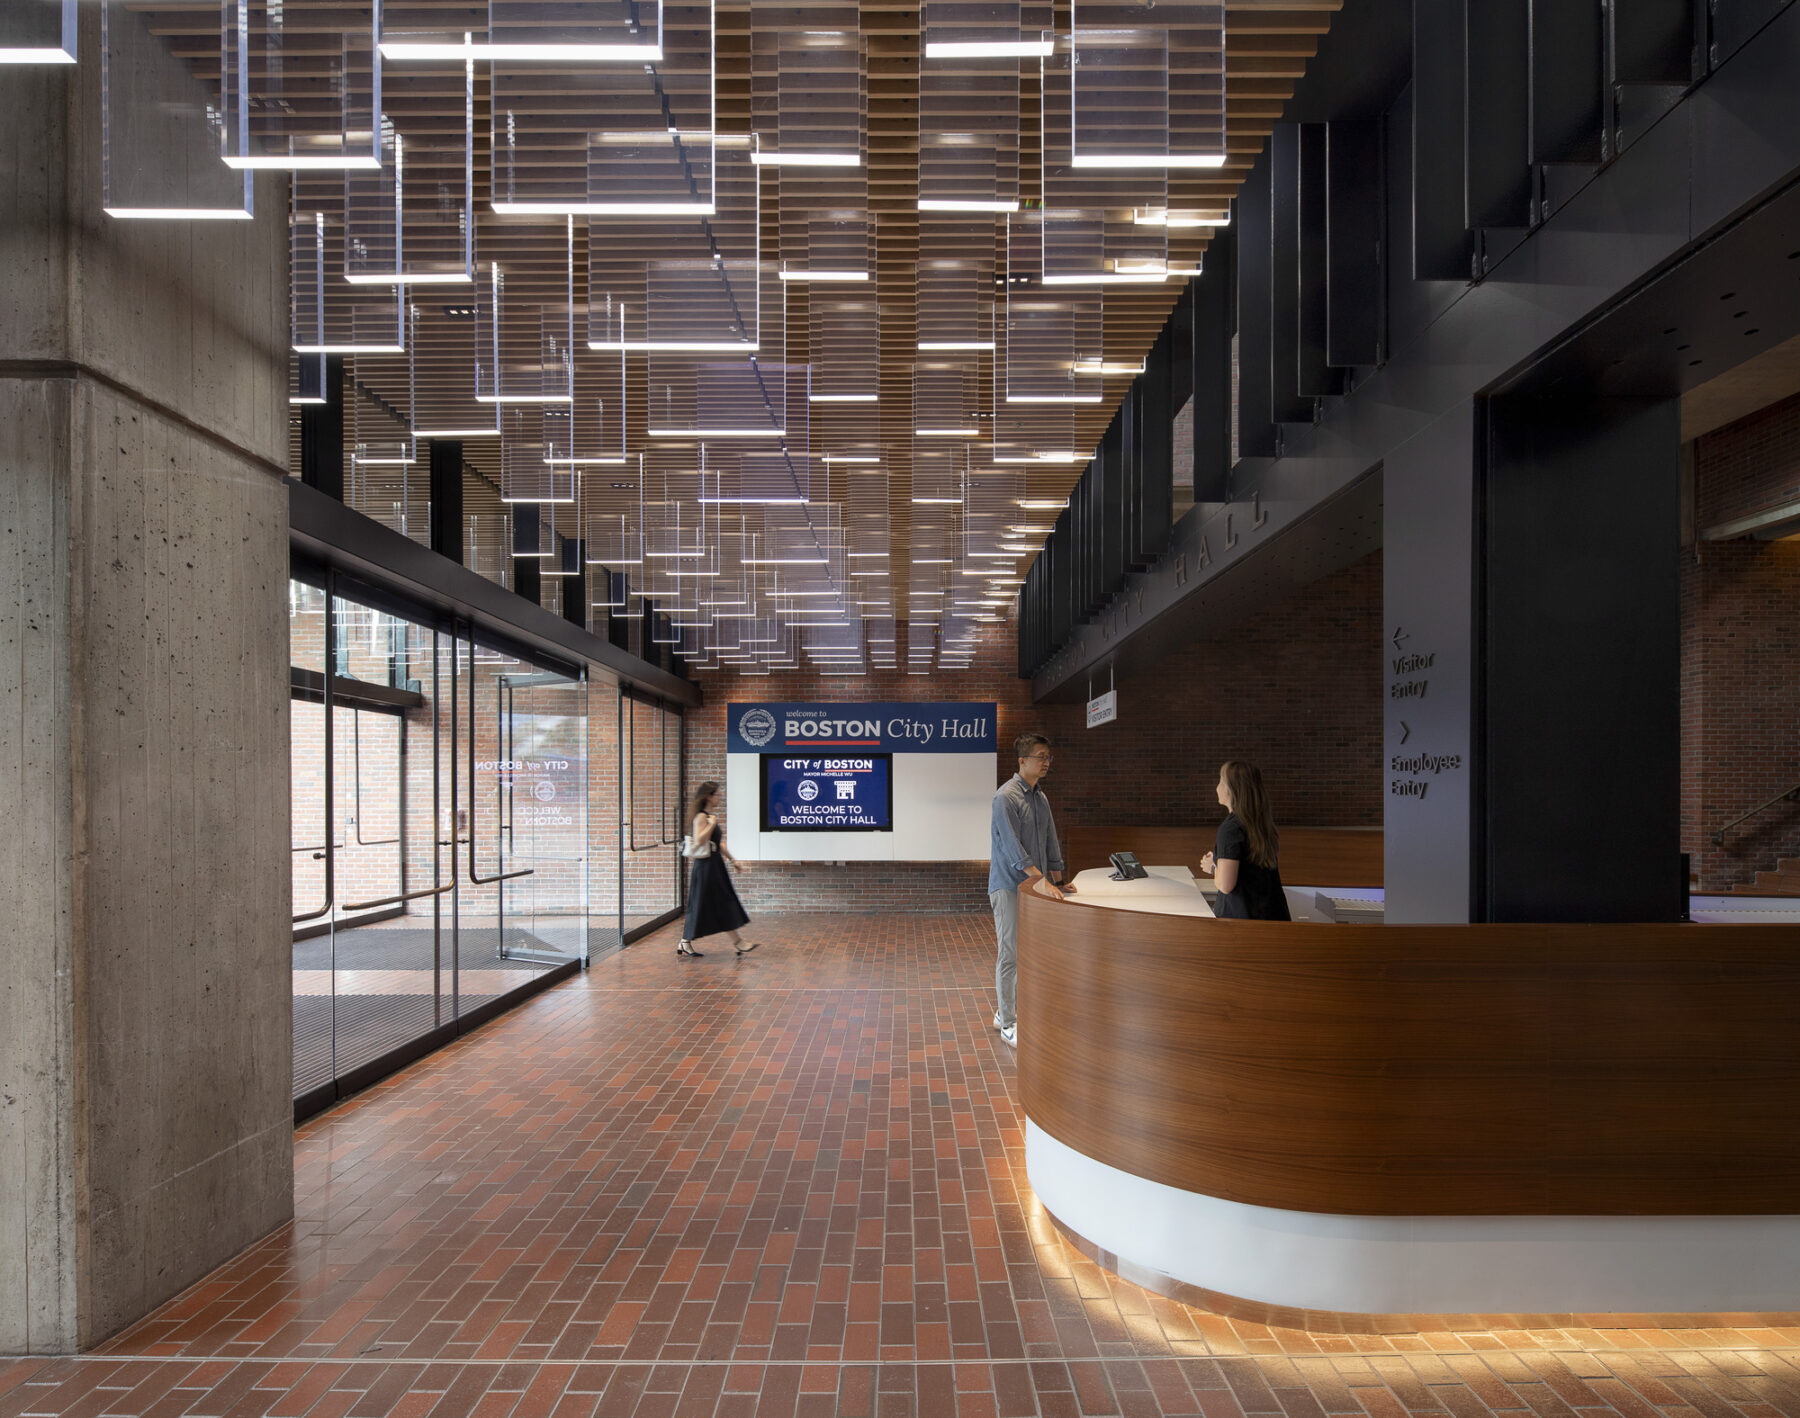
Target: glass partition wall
458	829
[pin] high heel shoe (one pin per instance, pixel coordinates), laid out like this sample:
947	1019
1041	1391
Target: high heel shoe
743	949
685	947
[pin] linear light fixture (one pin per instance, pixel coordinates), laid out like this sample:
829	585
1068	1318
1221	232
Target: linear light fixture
603	209
1147	160
387	278
788	274
881	554
350	349
676	346
851	458
843	399
950	432
453	432
932	345
437	50
991	49
694	433
170	214
523	398
939	501
304	162
1100	366
962	204
1038	504
1144	216
1052	398
762	157
1116	278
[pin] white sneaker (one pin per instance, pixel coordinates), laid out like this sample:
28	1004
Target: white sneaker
1011	1034
997	1023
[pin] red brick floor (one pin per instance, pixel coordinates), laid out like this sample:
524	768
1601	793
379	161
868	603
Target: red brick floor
791	1184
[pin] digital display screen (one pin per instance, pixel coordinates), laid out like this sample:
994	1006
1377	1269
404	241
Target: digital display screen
817	794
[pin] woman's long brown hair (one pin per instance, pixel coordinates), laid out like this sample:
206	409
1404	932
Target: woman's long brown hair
701	794
1251	804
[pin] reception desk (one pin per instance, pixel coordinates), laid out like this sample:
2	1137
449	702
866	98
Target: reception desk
1289	1119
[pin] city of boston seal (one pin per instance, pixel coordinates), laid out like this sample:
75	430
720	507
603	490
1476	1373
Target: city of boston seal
757	727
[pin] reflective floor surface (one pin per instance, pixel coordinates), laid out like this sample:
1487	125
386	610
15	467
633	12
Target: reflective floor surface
788	1184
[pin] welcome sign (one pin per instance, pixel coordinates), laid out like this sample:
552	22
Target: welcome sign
870	727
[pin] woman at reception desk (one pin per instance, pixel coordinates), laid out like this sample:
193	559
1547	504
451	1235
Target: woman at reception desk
1328	1124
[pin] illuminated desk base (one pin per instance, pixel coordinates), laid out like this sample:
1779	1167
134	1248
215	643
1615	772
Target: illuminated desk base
1463	1265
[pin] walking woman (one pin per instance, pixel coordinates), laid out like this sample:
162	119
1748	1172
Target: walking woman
1245	858
713	904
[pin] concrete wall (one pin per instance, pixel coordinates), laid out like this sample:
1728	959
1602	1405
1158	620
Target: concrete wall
145	1008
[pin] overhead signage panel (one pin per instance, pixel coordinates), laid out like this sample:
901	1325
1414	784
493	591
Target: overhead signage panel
871	727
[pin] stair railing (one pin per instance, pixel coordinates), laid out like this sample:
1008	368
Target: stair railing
1718	838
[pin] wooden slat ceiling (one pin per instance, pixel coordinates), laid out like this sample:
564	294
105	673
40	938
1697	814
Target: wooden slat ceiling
1267	46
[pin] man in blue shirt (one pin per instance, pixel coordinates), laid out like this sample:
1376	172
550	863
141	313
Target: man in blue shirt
1022	847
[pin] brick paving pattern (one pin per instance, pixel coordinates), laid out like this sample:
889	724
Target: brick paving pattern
790	1184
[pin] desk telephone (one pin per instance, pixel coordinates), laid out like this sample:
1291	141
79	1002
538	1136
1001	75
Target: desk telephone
1126	867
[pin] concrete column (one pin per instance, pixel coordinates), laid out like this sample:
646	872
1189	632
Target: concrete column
145	997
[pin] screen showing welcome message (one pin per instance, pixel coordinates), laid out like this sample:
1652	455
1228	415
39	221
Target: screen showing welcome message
818	794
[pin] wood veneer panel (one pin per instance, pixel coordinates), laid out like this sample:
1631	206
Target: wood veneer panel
1310	856
1419	1070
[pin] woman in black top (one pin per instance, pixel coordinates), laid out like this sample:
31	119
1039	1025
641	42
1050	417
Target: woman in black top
713	904
1244	858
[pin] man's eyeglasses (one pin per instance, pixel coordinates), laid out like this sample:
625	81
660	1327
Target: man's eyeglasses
1042	758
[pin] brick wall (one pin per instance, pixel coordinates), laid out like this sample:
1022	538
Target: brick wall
1297	689
1740	668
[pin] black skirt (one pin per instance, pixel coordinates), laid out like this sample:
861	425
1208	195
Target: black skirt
713	904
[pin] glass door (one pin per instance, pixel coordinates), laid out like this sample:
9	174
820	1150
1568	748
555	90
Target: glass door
440	833
522	803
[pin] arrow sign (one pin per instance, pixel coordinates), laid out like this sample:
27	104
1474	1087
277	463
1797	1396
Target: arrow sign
1400	635
1405	731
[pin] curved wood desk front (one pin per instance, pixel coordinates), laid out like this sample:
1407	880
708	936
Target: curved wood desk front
1615	1105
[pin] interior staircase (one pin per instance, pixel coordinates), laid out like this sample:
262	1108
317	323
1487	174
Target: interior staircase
1783	881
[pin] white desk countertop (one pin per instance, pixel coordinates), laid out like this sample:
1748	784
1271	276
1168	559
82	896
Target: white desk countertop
1167	891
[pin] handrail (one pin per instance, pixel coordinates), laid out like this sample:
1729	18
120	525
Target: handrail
396	900
1718	838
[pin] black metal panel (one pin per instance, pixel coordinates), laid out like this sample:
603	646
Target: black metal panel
574	581
1317	377
1442	246
1568	81
1650	41
618	623
446	519
1497	150
1107	530
322	435
1121	496
1255	270
1288	401
1580	767
1215	305
1057	548
1155	461
1179	338
1356	282
1735	23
